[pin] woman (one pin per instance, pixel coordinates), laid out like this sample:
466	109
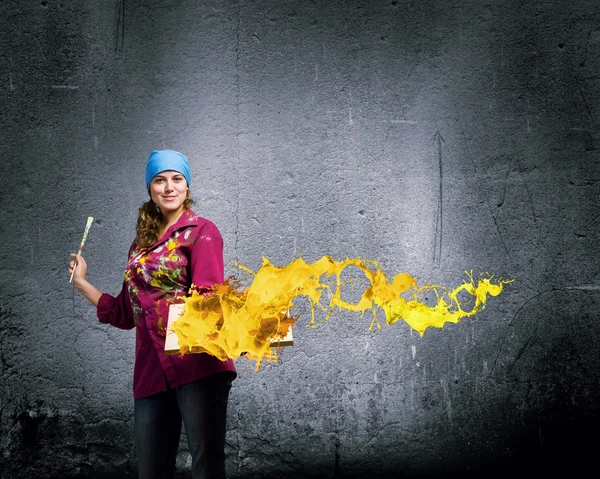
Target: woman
174	250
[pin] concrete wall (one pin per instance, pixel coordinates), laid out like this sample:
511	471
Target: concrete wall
433	136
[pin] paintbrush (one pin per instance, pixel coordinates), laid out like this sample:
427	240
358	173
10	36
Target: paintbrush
85	233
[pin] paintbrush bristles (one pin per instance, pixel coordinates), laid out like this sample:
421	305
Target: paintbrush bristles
90	220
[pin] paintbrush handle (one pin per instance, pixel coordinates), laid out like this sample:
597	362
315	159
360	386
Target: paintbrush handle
85	234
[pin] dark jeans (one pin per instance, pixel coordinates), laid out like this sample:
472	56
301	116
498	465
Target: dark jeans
202	405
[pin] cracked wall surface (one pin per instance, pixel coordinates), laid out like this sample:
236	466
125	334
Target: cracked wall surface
435	137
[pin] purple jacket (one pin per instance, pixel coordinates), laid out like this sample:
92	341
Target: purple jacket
189	253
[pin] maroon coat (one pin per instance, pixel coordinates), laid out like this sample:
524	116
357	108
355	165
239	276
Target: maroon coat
189	253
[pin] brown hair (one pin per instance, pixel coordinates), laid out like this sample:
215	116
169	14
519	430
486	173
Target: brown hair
150	221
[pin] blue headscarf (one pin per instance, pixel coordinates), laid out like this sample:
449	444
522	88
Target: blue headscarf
162	160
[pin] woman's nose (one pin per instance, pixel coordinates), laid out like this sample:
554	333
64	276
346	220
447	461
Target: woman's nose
169	185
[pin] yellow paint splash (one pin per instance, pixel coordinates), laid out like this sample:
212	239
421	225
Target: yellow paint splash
231	320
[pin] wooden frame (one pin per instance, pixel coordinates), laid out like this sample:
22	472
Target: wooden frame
172	342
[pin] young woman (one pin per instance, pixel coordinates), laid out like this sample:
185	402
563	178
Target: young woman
174	250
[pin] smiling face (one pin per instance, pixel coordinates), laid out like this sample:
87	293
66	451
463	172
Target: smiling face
168	189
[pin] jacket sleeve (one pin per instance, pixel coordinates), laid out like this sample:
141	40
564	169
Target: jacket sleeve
116	311
206	259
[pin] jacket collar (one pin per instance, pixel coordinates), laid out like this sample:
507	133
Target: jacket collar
187	218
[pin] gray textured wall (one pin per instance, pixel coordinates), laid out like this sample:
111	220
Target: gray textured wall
433	136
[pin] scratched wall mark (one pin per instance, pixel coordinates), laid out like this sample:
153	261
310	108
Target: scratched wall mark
94	136
530	201
120	35
583	231
483	193
505	186
439	225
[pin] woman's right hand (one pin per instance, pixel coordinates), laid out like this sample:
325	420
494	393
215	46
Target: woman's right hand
91	293
80	267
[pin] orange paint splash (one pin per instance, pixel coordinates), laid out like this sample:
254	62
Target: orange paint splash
232	320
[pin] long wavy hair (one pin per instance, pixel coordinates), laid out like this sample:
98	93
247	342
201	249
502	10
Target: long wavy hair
150	221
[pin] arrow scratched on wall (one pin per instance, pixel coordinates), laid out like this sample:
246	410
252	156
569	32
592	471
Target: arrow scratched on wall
439	225
120	36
